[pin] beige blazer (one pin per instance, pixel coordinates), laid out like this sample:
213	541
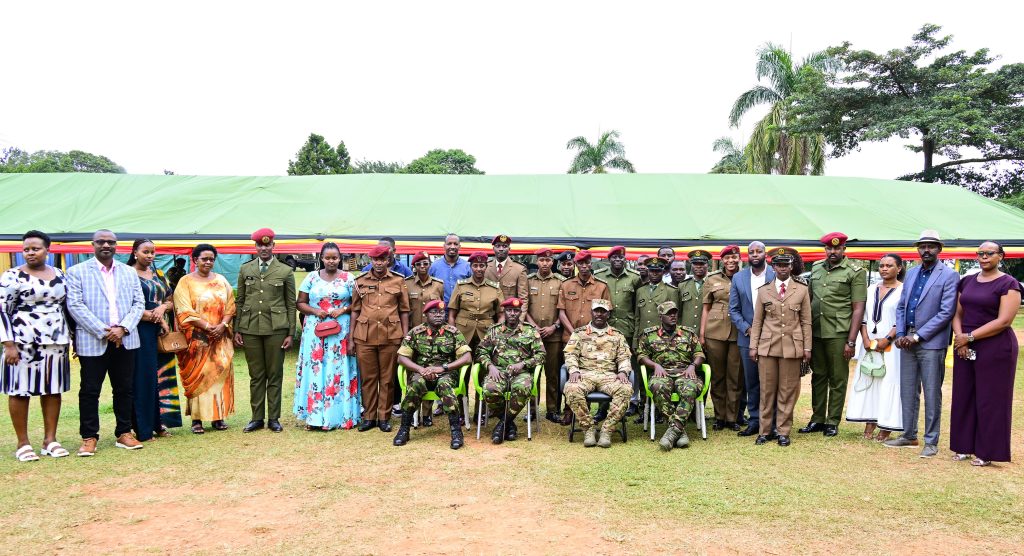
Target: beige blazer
782	327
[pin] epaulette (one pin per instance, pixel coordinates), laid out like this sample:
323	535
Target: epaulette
417	329
688	278
710	274
766	283
560	277
465	281
581	329
671	286
631	271
598	278
649	329
492	284
798	280
250	261
688	329
449	327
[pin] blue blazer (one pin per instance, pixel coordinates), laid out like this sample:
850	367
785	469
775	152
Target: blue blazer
935	309
741	303
89	305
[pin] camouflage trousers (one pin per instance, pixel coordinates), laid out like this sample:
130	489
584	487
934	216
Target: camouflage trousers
662	388
576	398
417	386
521	388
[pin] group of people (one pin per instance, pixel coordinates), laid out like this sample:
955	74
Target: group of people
756	329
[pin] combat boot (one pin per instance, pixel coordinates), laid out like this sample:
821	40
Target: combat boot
402	436
498	435
606	439
668	440
590	437
683	441
456	429
511	432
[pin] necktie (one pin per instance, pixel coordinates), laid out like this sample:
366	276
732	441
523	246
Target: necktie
782	290
499	269
263	268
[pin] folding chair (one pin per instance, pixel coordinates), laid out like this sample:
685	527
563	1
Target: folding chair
460	392
699	402
592	398
481	415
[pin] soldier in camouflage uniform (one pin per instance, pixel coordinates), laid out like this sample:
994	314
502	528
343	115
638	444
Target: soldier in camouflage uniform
597	358
509	352
432	354
674	354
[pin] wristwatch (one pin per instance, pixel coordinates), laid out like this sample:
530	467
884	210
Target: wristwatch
851	344
444	367
916	337
970	338
890	338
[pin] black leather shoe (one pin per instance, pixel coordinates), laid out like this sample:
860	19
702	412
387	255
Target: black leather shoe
498	434
367	425
774	435
812	427
761	439
751	430
734	426
274	425
719	425
631	410
552	417
831	430
428	420
385	425
602	414
511	432
254	425
783	441
742	422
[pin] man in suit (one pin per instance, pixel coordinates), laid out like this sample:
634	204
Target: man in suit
105	299
741	311
264	325
923	327
510	275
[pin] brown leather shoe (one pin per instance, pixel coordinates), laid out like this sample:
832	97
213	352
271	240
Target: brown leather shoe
88	448
566	417
128	442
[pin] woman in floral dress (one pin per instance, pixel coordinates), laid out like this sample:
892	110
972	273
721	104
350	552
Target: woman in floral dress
326	379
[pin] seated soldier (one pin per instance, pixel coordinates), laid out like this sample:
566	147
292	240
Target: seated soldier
510	351
597	358
432	354
674	354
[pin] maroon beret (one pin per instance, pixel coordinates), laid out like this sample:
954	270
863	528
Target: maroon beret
544	252
263	236
477	256
617	249
421	256
436	303
512	302
501	238
835	239
729	250
379	252
583	256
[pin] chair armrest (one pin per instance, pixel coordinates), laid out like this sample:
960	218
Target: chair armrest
401	379
706	369
647	386
474	379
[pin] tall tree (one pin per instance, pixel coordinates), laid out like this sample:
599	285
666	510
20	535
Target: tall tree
377	167
440	161
950	103
317	158
733	160
597	158
771	148
15	160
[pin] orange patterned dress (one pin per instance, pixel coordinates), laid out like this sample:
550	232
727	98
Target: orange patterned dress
206	371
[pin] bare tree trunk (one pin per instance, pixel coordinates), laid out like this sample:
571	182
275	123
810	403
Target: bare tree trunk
928	147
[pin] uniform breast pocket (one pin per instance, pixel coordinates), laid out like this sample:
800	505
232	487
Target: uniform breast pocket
277	284
250	280
686	296
414	295
392	290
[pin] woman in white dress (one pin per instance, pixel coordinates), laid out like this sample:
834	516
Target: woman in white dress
875	401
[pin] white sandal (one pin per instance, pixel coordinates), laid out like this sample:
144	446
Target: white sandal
26	453
54	450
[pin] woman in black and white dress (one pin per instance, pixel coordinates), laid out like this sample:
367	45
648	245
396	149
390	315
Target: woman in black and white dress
36	338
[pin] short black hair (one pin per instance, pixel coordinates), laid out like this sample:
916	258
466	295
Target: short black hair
198	249
39	235
178	261
390	240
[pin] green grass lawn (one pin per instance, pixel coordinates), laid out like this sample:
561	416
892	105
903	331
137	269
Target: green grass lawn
354	493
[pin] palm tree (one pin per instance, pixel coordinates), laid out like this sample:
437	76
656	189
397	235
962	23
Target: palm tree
733	160
771	149
596	159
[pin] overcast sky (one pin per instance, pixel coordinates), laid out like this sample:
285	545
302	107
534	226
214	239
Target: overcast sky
234	88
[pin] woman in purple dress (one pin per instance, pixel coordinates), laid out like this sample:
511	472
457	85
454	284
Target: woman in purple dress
986	361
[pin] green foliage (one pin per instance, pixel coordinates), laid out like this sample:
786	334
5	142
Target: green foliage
772	148
377	167
440	161
733	160
1014	200
317	158
597	158
15	160
950	103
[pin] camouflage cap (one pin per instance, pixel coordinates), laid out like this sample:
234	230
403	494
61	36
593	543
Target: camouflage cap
601	304
666	307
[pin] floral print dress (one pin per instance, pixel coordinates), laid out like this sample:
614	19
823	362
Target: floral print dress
326	376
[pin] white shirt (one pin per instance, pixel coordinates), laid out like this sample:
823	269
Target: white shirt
756	281
778	286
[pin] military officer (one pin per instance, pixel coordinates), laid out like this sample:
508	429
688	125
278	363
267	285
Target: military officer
433	353
565	265
838	294
264	326
641	268
652	294
673	354
623	284
509	352
380	318
475	302
543	314
780	339
423	288
597	358
510	275
575	295
691	303
718	336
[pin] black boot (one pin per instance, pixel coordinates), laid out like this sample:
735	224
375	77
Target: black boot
511	432
456	429
498	435
403	430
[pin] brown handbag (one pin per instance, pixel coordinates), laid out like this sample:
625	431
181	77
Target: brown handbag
173	340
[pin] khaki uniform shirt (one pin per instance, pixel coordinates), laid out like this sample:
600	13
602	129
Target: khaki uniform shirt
691	304
512	280
477	307
716	294
623	290
648	297
833	291
597	351
544	298
782	327
265	301
378	303
420	294
575	297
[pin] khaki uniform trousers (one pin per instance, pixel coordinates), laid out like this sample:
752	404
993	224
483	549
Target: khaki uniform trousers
726	373
780	389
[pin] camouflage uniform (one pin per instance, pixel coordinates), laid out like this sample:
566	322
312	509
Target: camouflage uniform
598	355
429	349
674	354
504	347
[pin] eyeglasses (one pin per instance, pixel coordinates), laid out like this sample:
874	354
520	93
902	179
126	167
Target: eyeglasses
986	254
110	242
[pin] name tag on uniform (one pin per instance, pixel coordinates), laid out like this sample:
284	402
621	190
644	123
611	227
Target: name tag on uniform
534	291
414	295
686	296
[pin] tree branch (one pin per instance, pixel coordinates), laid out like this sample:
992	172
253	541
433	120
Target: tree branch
974	160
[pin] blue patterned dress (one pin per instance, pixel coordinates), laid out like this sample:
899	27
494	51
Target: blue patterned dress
326	377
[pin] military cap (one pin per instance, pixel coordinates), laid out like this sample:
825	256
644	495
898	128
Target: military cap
835	239
620	249
656	262
263	236
729	250
564	256
783	255
477	257
601	304
543	252
379	252
699	256
513	302
666	307
582	256
421	256
501	238
433	304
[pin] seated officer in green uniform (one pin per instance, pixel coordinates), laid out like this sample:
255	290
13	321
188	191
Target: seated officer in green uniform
674	354
432	354
510	351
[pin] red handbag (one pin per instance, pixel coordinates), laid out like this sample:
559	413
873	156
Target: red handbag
327	328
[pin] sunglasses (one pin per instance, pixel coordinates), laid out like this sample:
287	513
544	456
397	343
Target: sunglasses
109	242
986	254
